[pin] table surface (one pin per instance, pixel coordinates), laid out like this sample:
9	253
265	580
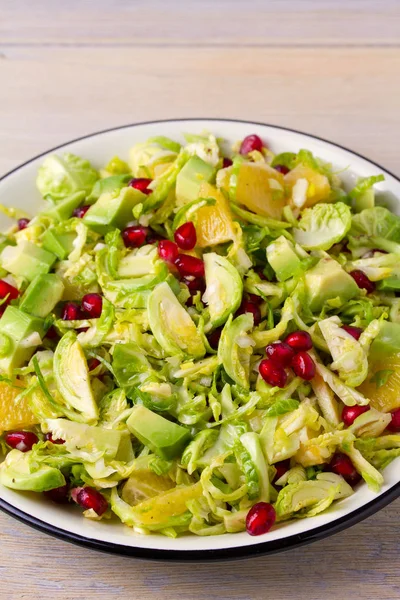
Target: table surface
327	67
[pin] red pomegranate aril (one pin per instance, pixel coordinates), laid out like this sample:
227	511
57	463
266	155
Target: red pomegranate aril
261	274
21	440
72	312
281	169
260	518
81	211
195	284
248	306
303	365
214	337
362	281
8	290
354	331
89	498
251	143
185	236
93	363
141	184
134	236
58	495
280	352
49	438
189	265
168	251
281	467
350	413
92	304
227	162
299	340
273	373
342	465
23	223
394	425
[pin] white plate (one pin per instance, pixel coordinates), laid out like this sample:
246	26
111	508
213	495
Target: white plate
17	188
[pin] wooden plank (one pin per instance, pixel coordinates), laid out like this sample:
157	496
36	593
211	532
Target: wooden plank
191	23
48	97
360	562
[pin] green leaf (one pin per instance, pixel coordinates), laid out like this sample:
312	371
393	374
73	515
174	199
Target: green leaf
282	407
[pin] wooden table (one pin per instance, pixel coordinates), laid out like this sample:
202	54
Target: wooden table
327	67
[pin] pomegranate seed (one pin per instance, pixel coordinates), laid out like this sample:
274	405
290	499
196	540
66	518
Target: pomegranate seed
273	373
214	337
250	143
81	211
350	413
185	236
58	495
82	329
261	274
8	290
89	498
51	333
226	163
21	440
23	223
49	438
189	265
141	184
394	425
281	468
342	465
92	304
281	169
280	352
93	363
248	306
72	312
354	331
195	284
134	236
362	281
168	251
303	365
260	518
299	340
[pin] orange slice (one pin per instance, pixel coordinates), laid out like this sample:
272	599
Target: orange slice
214	224
14	415
384	397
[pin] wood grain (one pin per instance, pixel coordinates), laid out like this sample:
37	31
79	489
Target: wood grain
328	67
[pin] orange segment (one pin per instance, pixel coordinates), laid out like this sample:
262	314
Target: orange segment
157	510
318	185
261	189
143	484
14	415
214	224
386	397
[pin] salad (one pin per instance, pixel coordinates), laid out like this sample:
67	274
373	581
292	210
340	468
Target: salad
198	340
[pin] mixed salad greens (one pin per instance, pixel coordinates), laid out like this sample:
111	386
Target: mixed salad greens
199	343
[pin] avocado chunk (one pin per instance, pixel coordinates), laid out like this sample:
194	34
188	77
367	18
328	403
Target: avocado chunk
390	284
17	472
113	209
164	438
283	259
190	178
42	294
17	327
172	325
72	377
326	281
27	260
387	342
63	210
59	244
224	288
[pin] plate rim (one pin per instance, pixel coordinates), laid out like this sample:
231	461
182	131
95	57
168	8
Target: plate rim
221	554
